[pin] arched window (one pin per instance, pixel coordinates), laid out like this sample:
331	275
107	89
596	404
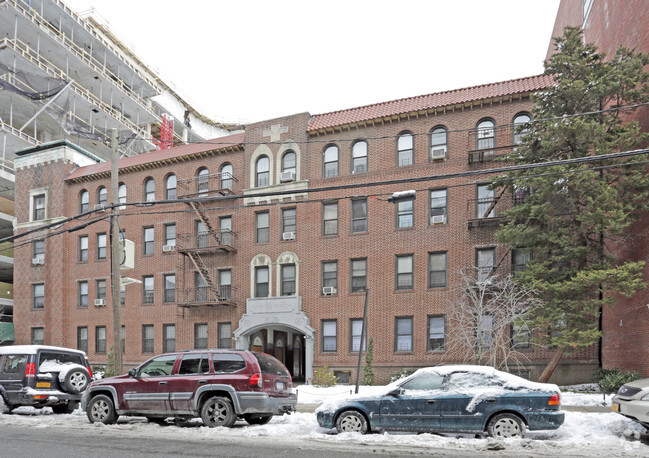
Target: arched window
102	195
486	138
262	171
203	181
226	176
289	162
84	201
149	190
121	195
405	149
438	143
359	157
170	186
519	129
331	161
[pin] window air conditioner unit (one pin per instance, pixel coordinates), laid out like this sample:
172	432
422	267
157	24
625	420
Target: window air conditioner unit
100	207
168	248
287	176
438	154
328	290
288	236
38	261
438	219
100	302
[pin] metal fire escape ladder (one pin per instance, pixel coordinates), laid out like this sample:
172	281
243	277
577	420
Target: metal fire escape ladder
204	272
198	209
493	204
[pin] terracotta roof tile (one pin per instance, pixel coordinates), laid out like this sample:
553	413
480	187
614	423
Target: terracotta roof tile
425	102
161	155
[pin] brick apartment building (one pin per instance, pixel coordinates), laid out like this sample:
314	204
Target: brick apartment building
270	238
610	24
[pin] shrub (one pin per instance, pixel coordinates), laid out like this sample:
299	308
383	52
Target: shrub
402	374
323	377
611	380
368	371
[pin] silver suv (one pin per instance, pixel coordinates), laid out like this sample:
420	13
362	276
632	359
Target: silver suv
41	375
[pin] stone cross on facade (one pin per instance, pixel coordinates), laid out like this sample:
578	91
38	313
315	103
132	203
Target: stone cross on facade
275	131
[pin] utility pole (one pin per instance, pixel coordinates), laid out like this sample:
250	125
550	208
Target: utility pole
115	260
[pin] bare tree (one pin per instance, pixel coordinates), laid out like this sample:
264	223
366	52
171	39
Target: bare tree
488	321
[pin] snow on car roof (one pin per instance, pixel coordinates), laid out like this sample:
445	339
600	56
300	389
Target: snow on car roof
32	349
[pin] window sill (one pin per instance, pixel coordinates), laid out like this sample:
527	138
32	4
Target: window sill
401	291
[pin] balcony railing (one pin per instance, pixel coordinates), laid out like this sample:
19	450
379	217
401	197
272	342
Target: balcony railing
207	241
485	145
208	185
204	295
487	211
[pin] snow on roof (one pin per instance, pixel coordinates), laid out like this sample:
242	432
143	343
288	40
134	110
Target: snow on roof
32	349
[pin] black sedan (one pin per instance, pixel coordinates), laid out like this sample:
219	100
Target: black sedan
451	399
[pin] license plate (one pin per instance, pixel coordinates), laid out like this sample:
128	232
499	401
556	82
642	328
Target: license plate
43	384
615	407
279	386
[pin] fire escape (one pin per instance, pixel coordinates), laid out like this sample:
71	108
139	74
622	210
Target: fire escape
202	283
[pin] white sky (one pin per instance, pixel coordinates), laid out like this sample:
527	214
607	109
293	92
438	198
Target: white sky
251	60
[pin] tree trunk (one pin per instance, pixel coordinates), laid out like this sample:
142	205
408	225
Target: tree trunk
552	364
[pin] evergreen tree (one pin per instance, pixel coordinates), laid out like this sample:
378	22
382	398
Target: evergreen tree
368	371
568	218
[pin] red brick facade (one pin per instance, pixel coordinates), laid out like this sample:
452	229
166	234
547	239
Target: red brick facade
289	327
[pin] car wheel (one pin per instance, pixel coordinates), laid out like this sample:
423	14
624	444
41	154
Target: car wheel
5	408
257	419
352	421
218	411
505	425
101	410
76	380
65	408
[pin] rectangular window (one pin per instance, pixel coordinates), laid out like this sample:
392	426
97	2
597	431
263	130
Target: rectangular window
225	335
147	290
403	333
405	274
438	206
521	336
225	230
261	281
289	224
330	219
484	337
330	277
148	234
168	338
38	336
486	202
200	288
225	285
329	336
147	338
101	246
485	263
288	279
38	203
38	250
437	266
359	274
170	234
520	258
356	328
83	294
262	227
82	338
100	339
38	296
359	215
201	235
405	214
169	288
200	336
101	289
436	332
83	248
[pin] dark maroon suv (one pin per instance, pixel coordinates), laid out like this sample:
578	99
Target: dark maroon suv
219	386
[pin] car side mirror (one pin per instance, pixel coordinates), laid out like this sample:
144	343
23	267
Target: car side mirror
396	392
132	372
